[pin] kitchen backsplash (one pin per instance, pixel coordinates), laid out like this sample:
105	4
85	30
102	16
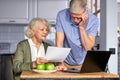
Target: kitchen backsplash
11	33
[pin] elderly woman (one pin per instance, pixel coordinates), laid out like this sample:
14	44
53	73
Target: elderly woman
31	51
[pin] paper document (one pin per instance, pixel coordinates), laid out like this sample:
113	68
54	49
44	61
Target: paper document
57	54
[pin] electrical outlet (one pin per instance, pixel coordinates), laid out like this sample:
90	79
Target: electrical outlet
112	50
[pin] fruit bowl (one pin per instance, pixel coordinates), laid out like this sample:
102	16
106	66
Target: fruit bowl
44	71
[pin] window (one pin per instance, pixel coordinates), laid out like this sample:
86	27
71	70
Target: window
94	7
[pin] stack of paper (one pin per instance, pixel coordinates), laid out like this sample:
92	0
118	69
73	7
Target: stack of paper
57	54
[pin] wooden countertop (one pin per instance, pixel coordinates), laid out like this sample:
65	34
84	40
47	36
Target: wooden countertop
58	74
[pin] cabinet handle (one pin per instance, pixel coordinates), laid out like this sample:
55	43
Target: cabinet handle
12	21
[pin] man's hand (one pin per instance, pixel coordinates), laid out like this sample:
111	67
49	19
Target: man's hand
83	19
61	66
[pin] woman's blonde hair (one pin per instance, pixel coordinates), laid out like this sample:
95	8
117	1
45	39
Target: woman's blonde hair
77	5
33	25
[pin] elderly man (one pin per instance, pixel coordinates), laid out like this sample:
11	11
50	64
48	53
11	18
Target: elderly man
76	28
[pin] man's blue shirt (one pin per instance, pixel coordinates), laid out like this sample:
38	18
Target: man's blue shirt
72	35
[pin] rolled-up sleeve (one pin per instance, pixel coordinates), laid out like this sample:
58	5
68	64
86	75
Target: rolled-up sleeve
58	26
93	27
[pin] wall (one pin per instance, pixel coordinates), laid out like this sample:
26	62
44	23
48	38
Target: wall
108	34
119	14
119	45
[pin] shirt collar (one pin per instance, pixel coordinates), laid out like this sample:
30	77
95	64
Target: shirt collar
69	17
31	42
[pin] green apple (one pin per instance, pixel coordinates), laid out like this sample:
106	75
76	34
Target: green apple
49	66
40	66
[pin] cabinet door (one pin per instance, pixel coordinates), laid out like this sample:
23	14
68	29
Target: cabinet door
15	11
49	8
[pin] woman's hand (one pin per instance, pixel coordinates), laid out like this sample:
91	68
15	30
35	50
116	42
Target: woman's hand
34	64
41	60
61	66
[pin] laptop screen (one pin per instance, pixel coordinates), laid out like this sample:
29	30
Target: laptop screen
95	61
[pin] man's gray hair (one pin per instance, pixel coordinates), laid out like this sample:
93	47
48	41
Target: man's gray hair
77	5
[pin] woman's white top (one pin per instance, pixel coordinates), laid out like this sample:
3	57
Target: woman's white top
34	53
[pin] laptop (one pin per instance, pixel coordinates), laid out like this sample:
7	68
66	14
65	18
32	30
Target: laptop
95	61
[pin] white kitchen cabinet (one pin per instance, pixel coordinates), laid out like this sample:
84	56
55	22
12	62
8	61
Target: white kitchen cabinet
15	11
48	9
22	11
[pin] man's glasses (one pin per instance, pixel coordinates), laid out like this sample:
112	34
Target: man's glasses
77	16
